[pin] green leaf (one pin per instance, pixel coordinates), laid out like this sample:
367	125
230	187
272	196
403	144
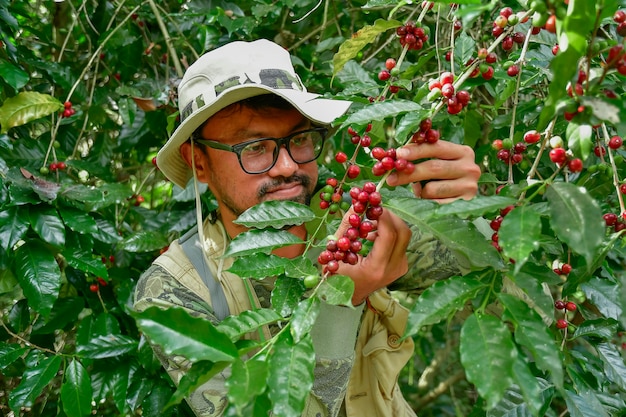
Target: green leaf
13	75
290	376
519	234
26	107
248	321
78	220
304	317
46	222
580	139
87	263
286	295
337	290
514	405
528	384
276	214
199	373
477	206
458	235
13	226
34	380
532	333
441	300
107	346
380	111
247	381
258	266
584	404
576	218
350	48
264	241
39	276
487	354
76	391
9	353
614	366
177	333
145	241
300	267
605	295
597	328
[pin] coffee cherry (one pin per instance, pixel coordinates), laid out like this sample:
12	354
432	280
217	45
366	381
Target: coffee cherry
353	171
138	200
94	287
67	105
575	165
446	78
491	58
621	29
555	49
550	25
341	157
570	306
561	324
622	188
447	90
512	71
384	75
610	219
615	142
558	155
559	304
532	136
390	63
507	43
310	281
619	16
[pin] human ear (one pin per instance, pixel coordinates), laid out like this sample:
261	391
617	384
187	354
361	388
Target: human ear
200	157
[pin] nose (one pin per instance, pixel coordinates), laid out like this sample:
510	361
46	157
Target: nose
284	166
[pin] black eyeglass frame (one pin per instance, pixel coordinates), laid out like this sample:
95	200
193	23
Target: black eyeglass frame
236	149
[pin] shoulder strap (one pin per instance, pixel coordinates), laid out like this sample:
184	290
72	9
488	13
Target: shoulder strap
190	244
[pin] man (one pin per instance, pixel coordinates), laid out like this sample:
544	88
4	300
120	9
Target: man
230	100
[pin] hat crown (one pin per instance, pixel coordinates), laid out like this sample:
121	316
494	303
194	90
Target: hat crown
239	63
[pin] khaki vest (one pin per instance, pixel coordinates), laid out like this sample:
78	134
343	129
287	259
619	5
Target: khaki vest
379	356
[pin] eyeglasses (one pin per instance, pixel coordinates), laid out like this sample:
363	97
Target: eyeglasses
260	155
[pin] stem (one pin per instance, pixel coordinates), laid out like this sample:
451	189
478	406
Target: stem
168	39
616	183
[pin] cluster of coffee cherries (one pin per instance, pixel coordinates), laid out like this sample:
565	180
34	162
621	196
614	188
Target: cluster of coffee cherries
412	36
616	58
443	86
508	152
560	156
426	133
564	306
331	197
388	72
366	202
495	226
615	222
387	160
68	110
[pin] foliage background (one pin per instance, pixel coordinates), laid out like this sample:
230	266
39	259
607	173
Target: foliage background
75	240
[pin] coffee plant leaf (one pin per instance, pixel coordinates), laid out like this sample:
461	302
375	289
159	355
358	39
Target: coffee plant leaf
528	384
513	403
584	404
76	390
605	295
47	223
65	310
14	224
258	266
248	321
199	373
580	139
531	333
77	220
107	346
25	107
303	317
247	381
604	109
276	214
286	295
264	241
477	206
337	290
38	274
300	267
613	361
145	241
380	111
519	234
457	234
290	376
576	219
487	354
177	332
350	48
9	353
603	329
440	301
34	380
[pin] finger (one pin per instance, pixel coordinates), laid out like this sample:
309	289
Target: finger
345	223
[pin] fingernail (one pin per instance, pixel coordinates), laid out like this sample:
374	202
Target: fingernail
402	153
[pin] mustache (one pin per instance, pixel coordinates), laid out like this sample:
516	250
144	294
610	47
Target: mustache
303	180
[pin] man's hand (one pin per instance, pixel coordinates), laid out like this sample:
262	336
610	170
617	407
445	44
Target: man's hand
386	261
447	168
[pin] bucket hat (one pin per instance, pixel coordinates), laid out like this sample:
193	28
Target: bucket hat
232	73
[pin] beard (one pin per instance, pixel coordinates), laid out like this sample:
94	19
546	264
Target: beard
303	198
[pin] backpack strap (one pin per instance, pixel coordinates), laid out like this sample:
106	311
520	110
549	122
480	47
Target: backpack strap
190	244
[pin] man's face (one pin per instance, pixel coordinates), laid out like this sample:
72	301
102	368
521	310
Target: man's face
237	190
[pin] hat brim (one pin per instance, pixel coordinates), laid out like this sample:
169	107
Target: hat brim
318	110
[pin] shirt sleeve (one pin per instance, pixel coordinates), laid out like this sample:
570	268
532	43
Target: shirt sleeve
333	334
429	261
